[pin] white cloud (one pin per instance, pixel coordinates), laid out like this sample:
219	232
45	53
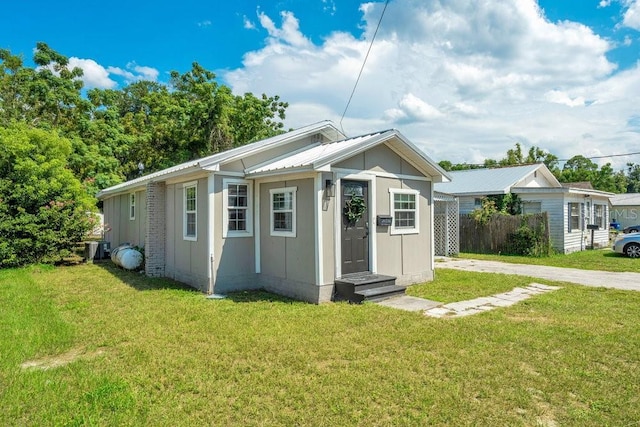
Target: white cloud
206	23
631	16
94	74
134	72
559	97
248	24
461	79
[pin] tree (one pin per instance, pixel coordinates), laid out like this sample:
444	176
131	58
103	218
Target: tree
633	178
44	210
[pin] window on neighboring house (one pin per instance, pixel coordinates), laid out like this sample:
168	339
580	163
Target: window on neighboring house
531	207
575	222
132	206
190	194
600	213
404	210
477	202
238	208
283	211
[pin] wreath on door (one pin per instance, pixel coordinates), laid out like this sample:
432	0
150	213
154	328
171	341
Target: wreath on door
354	209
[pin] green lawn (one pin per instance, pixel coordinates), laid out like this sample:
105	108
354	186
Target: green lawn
144	351
599	259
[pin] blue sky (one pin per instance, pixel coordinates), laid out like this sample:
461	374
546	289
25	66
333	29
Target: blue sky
464	80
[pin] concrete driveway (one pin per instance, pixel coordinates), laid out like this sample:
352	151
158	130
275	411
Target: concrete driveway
624	281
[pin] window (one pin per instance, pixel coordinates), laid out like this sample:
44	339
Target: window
600	216
477	202
132	206
531	207
190	211
574	216
283	211
404	210
238	209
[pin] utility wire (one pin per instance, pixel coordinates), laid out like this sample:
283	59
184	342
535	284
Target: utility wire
604	157
363	64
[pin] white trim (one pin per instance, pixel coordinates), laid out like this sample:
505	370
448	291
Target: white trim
256	240
371	209
248	232
381	174
293	210
132	206
185	187
317	215
397	230
211	182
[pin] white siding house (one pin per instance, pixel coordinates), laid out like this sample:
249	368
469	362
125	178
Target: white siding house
570	209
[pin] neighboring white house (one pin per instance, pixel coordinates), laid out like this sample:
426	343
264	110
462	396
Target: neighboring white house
625	209
271	214
570	210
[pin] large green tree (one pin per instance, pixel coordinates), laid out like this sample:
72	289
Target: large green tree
44	209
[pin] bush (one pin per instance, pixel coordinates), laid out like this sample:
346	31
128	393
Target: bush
529	242
44	210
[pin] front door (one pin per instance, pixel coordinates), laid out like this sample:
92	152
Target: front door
355	226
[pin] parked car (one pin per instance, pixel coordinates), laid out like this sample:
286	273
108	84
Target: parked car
614	225
631	229
628	244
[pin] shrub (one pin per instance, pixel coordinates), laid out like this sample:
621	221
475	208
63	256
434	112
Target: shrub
44	209
529	242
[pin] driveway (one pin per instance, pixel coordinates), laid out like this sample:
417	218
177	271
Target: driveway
596	278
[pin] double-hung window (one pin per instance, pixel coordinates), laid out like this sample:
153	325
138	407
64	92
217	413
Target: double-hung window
132	206
404	210
238	215
190	221
575	214
283	211
599	212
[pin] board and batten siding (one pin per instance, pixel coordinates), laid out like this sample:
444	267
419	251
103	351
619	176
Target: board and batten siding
234	256
287	264
125	230
187	261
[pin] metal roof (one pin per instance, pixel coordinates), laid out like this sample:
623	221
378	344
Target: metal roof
628	199
210	162
486	181
313	158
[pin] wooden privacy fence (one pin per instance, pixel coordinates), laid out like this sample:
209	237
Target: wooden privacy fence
496	235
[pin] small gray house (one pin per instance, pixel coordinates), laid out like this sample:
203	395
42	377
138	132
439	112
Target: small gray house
625	209
273	214
570	209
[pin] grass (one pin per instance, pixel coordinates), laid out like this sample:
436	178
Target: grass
149	352
599	259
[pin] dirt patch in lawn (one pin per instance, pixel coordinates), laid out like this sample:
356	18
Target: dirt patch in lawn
55	361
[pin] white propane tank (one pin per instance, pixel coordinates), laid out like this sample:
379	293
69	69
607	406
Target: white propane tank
127	257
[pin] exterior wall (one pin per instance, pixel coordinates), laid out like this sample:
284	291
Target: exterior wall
535	180
287	264
187	261
406	256
626	215
328	231
467	204
379	159
123	229
234	257
552	204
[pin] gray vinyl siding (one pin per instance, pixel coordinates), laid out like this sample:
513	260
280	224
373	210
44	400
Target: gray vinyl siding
123	229
553	206
626	215
187	261
467	204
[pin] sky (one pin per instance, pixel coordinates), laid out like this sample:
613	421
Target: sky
465	80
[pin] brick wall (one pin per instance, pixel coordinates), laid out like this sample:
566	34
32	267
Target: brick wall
156	230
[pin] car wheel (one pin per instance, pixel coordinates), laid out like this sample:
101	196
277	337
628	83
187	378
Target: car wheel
632	250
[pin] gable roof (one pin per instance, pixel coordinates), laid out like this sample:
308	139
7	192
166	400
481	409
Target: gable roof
628	199
320	157
324	127
491	181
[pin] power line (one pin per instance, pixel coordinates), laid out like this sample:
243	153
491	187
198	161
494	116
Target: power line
604	157
363	64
